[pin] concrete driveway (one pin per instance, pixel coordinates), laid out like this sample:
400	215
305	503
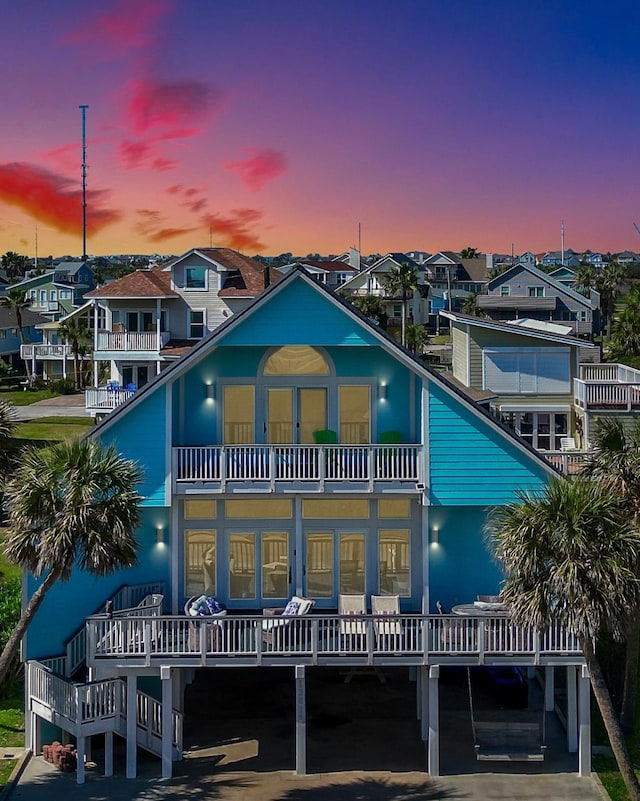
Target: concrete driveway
62	406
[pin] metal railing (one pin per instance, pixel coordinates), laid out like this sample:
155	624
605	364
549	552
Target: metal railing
319	638
298	463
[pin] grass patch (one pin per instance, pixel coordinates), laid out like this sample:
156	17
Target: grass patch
6	769
7	569
18	397
440	339
12	722
54	429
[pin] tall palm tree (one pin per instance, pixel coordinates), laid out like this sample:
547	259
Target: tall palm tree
615	463
585	278
402	280
625	334
608	282
372	306
469	253
75	332
417	338
569	554
71	504
15	299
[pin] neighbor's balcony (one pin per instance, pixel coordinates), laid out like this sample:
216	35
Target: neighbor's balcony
613	387
131	341
567	462
322	639
98	400
40	351
273	468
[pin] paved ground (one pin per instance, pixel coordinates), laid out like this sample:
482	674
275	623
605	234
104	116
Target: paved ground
363	744
62	406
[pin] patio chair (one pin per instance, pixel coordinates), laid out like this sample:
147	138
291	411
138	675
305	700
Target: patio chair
385	610
454	633
351	605
277	626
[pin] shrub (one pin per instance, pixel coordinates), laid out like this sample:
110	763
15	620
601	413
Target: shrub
10	607
62	386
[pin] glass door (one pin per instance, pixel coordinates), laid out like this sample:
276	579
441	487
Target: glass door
335	563
294	414
259	572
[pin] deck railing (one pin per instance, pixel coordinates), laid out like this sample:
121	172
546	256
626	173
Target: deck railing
131	341
567	462
319	639
607	386
105	399
46	351
298	463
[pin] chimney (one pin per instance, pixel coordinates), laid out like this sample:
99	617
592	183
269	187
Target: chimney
489	262
266	275
354	258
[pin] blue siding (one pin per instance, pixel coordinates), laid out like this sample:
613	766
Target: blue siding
471	462
299	315
67	604
139	434
460	566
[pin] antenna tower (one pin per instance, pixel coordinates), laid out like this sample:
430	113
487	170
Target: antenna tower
83	109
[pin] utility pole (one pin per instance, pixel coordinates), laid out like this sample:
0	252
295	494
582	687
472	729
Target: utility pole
562	239
83	109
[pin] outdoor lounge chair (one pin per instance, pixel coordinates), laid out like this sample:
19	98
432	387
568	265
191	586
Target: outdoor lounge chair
278	623
351	605
385	610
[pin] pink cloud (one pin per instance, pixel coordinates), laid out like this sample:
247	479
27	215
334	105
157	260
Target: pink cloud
161	164
53	199
124	27
134	154
261	166
233	231
151	225
174	189
68	157
172	110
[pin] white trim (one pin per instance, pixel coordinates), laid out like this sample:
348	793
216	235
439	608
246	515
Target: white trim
543	408
509	328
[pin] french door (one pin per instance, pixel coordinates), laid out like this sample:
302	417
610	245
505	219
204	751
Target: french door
294	413
258	568
335	563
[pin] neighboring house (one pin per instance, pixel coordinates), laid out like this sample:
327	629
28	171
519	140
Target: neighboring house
555	258
530	367
523	291
153	316
295	451
627	257
56	293
372	281
565	276
332	274
596	260
419	256
10	335
452	279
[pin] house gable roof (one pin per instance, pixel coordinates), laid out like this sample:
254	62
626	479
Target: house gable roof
513	328
539	275
139	284
237	330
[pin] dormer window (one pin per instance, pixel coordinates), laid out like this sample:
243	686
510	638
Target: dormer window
195	278
536	291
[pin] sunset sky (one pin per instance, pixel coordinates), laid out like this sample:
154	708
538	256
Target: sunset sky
273	125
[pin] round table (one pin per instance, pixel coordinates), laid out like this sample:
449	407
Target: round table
472	610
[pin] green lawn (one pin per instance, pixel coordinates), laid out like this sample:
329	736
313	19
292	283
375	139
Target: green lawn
21	398
54	429
440	339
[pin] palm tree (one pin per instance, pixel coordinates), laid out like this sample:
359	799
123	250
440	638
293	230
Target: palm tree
608	282
15	299
570	554
7	427
402	280
469	253
372	306
585	278
470	304
625	334
615	464
75	332
416	338
71	504
14	265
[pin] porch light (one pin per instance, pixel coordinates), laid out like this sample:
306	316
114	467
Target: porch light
435	535
211	392
382	391
160	535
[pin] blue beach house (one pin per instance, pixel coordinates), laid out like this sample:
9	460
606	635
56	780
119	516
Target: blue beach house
295	452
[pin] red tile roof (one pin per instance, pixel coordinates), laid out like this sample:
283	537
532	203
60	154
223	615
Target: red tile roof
248	276
139	284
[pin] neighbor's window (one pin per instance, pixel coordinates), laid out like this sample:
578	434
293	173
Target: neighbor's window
536	291
196	324
195	278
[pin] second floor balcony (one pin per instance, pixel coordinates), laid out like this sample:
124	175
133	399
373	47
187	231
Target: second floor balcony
39	351
282	468
131	341
607	387
99	400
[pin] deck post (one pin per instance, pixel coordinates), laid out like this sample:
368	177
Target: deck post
572	710
167	730
433	746
423	685
549	693
108	753
584	718
419	691
132	745
301	722
80	754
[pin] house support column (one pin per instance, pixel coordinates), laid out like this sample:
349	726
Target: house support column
132	745
35	733
299	561
167	728
301	721
572	709
108	753
584	720
549	692
423	688
80	755
95	345
433	747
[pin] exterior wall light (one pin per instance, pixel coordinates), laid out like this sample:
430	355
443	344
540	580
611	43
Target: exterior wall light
211	392
435	535
160	535
382	391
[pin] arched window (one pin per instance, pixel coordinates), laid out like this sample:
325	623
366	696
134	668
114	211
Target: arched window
296	360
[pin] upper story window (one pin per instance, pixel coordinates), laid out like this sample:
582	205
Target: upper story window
32	295
536	291
53	294
195	278
296	360
65	294
530	370
505	291
196	323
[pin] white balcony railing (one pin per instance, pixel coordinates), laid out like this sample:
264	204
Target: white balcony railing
321	639
104	399
607	386
568	462
318	463
137	341
46	352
